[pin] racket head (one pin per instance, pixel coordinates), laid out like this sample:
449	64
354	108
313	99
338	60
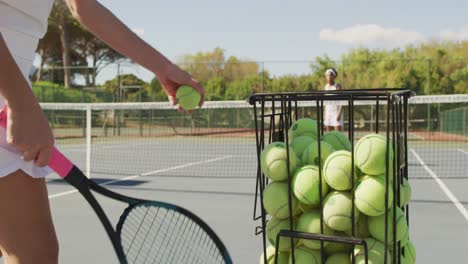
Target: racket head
158	232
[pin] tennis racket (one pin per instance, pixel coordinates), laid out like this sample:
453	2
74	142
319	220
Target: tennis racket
147	231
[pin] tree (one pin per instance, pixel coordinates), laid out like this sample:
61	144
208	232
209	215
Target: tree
66	44
236	69
155	91
204	65
90	48
126	87
60	19
47	50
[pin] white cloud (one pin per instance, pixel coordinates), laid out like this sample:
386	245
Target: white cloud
371	34
454	35
139	31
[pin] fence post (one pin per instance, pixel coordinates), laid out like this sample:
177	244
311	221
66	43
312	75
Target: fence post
88	141
428	93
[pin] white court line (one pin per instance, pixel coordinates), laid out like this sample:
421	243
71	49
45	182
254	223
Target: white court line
444	187
147	174
462	151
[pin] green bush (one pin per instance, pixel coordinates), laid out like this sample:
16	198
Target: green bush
51	92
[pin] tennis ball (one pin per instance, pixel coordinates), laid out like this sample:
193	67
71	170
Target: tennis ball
376	253
276	200
273	227
335	247
338	140
405	193
299	144
337	170
370	195
339	258
409	252
306	185
283	257
369	154
304	208
274	161
337	208
361	229
298	211
311	154
304	255
310	222
270	253
187	97
377	226
303	127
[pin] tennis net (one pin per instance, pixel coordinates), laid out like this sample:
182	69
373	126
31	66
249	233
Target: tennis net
219	139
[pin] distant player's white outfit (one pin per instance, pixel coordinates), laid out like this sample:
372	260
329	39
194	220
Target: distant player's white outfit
22	24
331	110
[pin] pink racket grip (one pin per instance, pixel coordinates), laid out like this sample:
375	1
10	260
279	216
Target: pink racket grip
3	117
58	162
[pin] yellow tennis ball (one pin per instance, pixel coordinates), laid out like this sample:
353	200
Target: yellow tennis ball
304	208
370	153
303	127
299	144
337	211
273	227
335	247
310	222
337	170
283	257
310	155
274	161
409	252
377	226
376	253
276	200
306	185
187	97
370	195
339	258
405	193
338	140
304	255
361	228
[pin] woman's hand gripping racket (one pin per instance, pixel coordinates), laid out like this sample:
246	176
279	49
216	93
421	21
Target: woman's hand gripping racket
147	231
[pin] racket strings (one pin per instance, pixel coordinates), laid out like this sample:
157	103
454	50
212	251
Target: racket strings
153	234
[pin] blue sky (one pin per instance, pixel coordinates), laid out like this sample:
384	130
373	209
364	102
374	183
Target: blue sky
293	30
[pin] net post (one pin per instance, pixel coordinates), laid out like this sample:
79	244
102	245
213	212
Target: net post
88	141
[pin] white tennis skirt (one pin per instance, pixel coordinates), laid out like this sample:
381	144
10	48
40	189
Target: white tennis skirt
329	118
22	47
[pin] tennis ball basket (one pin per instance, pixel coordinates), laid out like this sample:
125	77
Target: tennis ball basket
334	197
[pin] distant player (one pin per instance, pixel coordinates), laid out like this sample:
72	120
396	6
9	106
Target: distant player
332	117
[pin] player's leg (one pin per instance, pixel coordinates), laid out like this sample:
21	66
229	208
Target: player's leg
27	234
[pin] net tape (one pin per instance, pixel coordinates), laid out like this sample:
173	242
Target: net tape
426	99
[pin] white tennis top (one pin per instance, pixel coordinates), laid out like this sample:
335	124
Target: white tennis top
22	24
